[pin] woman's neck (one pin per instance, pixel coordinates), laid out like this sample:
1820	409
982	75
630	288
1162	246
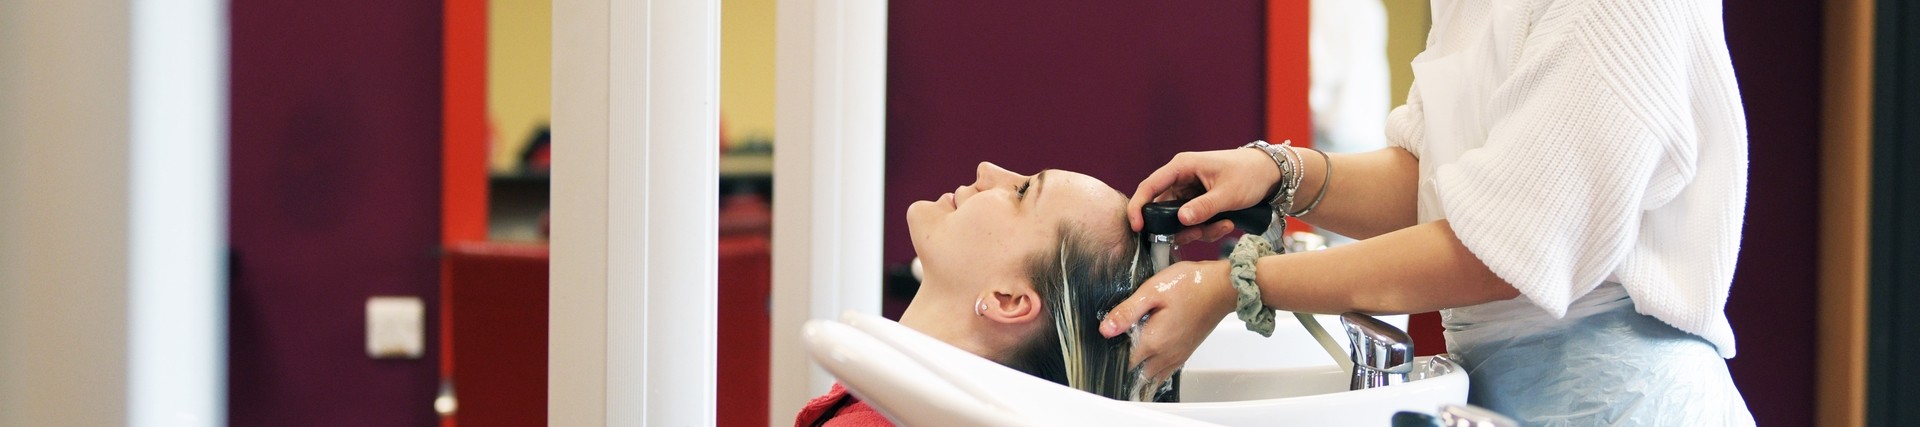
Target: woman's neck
946	316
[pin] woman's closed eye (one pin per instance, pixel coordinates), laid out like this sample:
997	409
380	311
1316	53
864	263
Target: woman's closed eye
1037	182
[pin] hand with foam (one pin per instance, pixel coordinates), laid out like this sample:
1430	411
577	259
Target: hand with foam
1185	301
1217	181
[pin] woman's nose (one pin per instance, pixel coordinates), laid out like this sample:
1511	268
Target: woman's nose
989	175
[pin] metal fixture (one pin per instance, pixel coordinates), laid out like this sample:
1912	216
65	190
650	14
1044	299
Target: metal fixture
1381	353
1161	220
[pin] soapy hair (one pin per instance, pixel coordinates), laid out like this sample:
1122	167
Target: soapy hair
1078	282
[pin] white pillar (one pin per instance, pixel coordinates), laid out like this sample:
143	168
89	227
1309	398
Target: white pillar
176	286
635	212
63	212
112	222
829	174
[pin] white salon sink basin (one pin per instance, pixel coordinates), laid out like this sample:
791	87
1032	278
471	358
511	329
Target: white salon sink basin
1238	377
1312	396
916	380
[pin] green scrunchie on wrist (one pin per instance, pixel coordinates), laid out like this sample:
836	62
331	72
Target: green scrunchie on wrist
1258	316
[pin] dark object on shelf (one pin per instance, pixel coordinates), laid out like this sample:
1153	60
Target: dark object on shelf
517	207
537	158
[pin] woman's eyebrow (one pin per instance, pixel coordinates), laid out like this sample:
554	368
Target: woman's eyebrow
1039	183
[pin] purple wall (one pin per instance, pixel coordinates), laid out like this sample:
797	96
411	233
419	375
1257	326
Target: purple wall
335	198
1111	90
1776	54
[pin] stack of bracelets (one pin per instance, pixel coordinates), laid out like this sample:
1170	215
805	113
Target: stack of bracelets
1291	168
1249	306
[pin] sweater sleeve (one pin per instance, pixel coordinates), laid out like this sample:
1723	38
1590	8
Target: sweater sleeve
1406	124
1576	152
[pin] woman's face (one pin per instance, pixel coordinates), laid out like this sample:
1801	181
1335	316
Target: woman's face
986	230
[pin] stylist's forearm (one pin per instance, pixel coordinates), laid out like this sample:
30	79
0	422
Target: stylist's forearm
1369	193
1413	270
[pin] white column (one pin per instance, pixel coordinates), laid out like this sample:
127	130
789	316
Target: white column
829	174
112	213
635	212
577	276
63	212
177	293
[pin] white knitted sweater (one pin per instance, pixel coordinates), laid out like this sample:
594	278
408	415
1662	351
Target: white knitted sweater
1575	142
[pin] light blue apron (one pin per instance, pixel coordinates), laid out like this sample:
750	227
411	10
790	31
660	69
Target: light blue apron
1603	364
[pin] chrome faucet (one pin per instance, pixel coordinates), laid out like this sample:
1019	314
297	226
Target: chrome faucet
1379	351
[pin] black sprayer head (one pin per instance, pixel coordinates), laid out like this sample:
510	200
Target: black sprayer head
1163	218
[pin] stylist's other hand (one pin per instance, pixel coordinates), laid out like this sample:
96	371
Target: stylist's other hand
1186	301
1217	181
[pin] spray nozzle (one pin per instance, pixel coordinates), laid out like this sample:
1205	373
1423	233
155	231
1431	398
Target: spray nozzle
1163	218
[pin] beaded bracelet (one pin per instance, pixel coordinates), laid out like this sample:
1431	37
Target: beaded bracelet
1298	169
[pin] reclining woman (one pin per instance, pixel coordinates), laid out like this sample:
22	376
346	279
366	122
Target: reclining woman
1019	269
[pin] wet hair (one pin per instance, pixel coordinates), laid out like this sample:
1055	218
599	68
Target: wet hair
1078	283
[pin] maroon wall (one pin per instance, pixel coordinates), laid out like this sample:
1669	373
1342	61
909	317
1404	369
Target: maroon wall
335	198
1776	54
1110	89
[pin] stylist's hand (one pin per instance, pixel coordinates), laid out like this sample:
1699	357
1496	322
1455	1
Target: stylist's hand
1186	301
1217	181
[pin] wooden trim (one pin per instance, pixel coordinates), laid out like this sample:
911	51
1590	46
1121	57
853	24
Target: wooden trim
1845	180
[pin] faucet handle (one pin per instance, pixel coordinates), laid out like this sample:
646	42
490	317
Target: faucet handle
1377	348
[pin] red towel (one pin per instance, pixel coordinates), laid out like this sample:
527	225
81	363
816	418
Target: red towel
837	408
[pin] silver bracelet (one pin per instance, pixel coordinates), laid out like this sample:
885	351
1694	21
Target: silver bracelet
1298	169
1282	196
1326	180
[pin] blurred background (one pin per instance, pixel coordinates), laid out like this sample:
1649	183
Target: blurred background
373	215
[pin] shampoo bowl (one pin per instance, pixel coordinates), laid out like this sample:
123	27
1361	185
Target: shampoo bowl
1312	396
917	380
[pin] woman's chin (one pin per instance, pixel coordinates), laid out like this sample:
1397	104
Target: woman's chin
918	211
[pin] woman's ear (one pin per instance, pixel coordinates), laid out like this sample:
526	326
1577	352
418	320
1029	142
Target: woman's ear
1010	306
